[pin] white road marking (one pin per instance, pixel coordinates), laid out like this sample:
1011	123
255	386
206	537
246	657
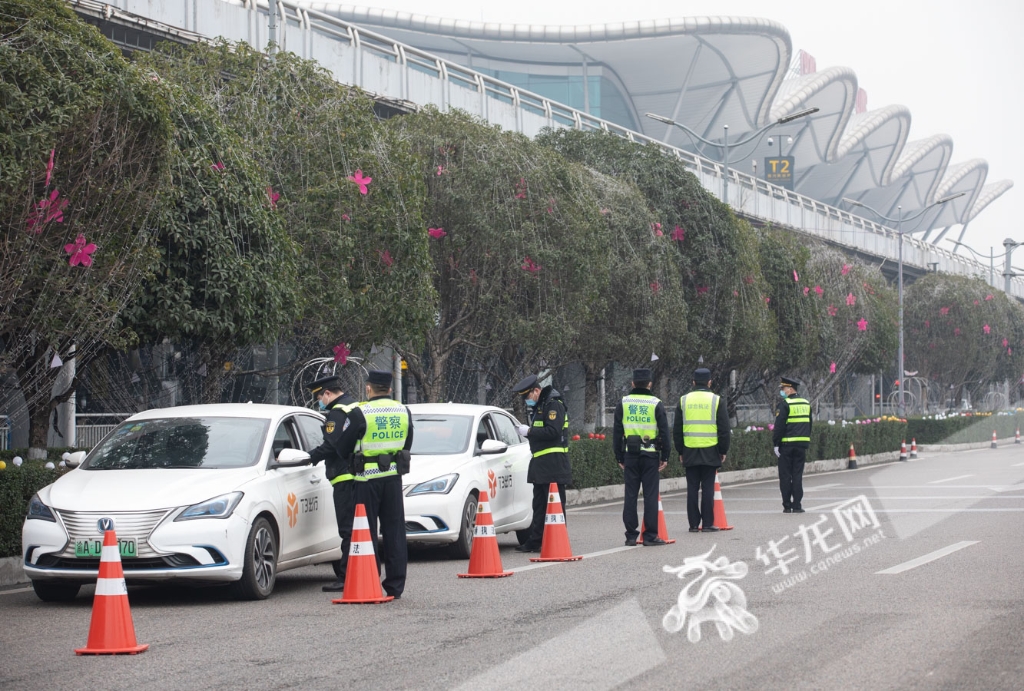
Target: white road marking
1016	465
815	489
950	479
920	561
11	592
591	555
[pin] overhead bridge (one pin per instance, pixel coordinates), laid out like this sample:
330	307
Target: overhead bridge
402	78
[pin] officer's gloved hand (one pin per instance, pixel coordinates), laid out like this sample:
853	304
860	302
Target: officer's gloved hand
777	452
523	430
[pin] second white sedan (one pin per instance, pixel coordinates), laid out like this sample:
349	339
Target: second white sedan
459	450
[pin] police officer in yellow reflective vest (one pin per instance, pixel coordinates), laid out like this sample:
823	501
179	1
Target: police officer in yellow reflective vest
548	434
641	445
379	434
791	439
702	435
332	399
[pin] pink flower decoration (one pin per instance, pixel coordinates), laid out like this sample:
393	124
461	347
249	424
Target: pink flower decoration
796	276
851	299
605	212
767	300
927	323
272	196
736	293
806	290
1005	343
956	332
943	311
862	325
436	233
656	227
346	217
80	251
521	189
385	257
976	303
702	289
341	353
818	291
360	180
748	279
655	287
832	311
832	368
531	266
551	205
46	210
987	329
473	277
988	297
440	171
846	269
771	425
49	168
678	234
218	166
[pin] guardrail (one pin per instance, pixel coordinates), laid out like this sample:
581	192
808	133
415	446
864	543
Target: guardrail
397	72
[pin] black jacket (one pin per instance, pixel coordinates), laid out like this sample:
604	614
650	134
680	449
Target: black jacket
663	442
335	464
784	429
554	466
711	455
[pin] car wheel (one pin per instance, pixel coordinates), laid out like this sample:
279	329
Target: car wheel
464	545
523	536
50	591
259	572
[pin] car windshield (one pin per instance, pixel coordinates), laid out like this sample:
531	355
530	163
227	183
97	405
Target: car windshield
193	442
434	435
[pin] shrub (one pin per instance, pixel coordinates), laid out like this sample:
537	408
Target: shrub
964	429
17	485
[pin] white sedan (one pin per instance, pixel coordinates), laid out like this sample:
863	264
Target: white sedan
208	493
458	450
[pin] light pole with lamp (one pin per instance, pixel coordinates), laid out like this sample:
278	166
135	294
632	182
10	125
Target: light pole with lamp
902	409
725	140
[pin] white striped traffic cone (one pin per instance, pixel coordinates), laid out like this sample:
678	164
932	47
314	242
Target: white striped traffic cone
913	447
995	440
111	631
484	559
903	450
720	520
362	578
554	544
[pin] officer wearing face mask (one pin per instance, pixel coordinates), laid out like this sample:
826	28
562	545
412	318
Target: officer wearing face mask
336	404
791	438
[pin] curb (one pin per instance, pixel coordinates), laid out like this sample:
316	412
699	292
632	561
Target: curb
593	495
11	572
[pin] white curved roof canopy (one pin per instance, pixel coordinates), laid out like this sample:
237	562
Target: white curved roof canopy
989	193
915	177
967	177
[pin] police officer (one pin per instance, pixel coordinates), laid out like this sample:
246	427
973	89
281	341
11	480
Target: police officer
641	444
701	433
548	434
791	438
332	399
379	434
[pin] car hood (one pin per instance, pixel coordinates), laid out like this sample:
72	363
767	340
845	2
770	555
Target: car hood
141	490
423	468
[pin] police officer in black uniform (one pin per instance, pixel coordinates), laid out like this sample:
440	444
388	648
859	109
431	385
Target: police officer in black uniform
548	434
641	444
791	438
702	437
336	403
379	434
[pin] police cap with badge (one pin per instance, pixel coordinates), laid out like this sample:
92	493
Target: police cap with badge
330	382
525	385
789	381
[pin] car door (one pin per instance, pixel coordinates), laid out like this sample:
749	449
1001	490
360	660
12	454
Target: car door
298	489
498	472
312	431
517	461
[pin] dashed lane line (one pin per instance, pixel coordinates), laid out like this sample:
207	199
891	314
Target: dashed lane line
18	590
591	555
950	479
932	556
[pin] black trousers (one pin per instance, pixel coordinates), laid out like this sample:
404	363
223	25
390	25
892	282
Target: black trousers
640	470
382	498
540	509
344	510
700	479
791	475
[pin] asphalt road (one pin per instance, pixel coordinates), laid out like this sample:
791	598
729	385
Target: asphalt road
871	617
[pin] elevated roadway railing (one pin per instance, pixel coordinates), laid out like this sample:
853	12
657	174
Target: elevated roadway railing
394	72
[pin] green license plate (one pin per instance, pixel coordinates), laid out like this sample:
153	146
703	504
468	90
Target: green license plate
92	549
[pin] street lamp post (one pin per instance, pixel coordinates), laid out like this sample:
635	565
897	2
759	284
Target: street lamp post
902	409
725	140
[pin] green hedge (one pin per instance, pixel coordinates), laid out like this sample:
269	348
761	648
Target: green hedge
17	485
964	429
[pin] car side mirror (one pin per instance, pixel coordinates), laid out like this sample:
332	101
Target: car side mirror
75	459
290	458
491	446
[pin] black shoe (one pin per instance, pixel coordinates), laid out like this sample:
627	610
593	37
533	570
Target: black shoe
654	541
694	530
799	511
335	587
787	511
397	597
631	542
711	529
527	548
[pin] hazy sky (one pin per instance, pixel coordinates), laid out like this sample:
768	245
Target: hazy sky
955	64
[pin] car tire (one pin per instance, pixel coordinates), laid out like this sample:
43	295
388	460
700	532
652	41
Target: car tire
259	572
55	591
462	547
523	536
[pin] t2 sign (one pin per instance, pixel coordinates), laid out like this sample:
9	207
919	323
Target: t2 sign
778	170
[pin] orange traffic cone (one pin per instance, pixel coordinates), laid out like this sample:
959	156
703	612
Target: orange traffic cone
554	544
913	447
362	578
111	631
484	559
995	441
720	521
903	450
1016	438
662	527
852	465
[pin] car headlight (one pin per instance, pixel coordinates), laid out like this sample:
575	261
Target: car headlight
40	511
218	507
439	485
